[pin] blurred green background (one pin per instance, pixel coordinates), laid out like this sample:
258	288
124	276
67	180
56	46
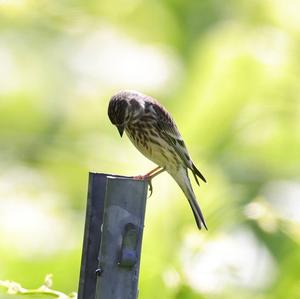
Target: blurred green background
229	73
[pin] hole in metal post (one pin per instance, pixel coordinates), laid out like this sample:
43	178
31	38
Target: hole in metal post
128	255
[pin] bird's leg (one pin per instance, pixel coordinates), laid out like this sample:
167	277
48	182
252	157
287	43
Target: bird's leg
161	169
149	176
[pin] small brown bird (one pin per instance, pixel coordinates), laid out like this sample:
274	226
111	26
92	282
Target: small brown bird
154	133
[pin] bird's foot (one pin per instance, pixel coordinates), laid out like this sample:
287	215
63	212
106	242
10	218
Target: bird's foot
150	187
149	176
139	177
146	178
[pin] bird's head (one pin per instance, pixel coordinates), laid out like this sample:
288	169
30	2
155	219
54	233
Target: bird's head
125	107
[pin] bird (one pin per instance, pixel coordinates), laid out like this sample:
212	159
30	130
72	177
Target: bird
153	131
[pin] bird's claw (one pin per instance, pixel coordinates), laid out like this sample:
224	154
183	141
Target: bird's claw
148	179
150	188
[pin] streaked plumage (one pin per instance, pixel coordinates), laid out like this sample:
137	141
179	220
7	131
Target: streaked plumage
154	133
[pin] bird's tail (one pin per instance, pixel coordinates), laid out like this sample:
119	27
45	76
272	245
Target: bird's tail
182	179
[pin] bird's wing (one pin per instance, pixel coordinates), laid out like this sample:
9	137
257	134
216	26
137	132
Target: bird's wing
169	130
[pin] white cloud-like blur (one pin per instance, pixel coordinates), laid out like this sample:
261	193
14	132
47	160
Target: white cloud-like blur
31	219
106	58
228	261
284	196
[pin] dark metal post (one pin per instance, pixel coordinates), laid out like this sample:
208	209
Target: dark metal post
112	238
92	235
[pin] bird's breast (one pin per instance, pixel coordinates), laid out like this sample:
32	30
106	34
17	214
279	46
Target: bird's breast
152	145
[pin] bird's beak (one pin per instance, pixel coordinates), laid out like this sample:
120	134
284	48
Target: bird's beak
121	130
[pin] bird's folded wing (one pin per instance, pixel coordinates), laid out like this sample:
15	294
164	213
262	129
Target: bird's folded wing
171	134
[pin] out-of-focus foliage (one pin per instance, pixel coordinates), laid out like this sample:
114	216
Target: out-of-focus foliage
45	290
229	73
